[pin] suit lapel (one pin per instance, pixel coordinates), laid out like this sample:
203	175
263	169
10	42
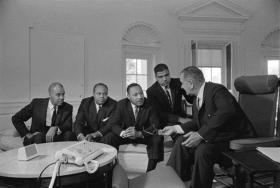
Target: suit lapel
92	111
130	112
201	109
44	109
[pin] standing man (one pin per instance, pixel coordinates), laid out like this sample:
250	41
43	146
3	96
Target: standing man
93	115
51	118
135	121
217	119
166	94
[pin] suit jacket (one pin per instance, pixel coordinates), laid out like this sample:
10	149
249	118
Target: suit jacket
220	117
159	98
37	110
147	120
87	116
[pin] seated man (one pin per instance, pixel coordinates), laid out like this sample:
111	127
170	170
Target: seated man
136	121
217	119
51	118
93	115
166	94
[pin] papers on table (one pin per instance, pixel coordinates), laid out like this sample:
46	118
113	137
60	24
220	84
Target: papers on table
271	152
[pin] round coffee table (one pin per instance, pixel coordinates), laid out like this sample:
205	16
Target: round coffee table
28	171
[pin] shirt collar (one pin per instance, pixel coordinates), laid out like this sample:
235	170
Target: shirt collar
200	92
164	88
50	105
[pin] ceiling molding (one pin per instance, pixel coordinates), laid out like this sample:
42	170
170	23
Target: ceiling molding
213	16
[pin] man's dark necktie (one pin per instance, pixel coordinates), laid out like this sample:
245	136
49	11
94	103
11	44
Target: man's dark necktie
99	108
54	116
136	112
168	97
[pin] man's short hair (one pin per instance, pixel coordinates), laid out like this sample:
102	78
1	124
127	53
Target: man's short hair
132	85
193	72
100	84
53	85
160	67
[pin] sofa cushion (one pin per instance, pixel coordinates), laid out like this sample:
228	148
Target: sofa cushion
10	142
9	132
141	148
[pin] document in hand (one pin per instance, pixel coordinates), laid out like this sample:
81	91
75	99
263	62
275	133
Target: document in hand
271	152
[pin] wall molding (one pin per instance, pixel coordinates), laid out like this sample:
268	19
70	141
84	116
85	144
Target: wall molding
11	107
214	17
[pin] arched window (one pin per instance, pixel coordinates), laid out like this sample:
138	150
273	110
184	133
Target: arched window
141	47
271	50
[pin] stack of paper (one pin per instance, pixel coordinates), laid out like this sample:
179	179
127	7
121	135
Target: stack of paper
271	152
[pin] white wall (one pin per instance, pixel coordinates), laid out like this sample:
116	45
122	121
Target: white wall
263	20
102	23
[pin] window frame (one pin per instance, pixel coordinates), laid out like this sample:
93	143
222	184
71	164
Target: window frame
221	45
140	52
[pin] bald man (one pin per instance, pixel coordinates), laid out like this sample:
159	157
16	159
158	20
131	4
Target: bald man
51	118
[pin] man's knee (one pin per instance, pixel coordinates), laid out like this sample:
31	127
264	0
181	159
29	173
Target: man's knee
204	152
157	140
110	139
69	136
39	138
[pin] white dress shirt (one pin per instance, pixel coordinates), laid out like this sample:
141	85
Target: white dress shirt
50	110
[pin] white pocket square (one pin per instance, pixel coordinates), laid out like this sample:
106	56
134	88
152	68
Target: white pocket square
105	119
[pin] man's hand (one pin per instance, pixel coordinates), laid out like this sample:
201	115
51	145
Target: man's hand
184	120
81	137
93	136
130	133
51	133
30	135
193	139
168	130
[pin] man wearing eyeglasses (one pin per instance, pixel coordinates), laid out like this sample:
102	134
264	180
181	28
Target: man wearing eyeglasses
135	121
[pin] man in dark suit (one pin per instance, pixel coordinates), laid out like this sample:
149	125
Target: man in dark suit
217	119
135	121
166	94
93	115
51	118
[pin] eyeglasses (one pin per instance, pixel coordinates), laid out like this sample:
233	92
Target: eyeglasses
153	132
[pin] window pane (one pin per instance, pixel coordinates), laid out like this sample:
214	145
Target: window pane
141	66
216	75
273	67
130	79
130	66
142	81
207	73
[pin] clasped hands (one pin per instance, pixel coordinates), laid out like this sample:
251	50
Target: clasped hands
192	138
90	137
131	133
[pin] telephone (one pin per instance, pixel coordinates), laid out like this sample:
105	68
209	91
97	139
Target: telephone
82	153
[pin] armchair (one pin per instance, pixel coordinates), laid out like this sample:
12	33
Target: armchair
258	97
